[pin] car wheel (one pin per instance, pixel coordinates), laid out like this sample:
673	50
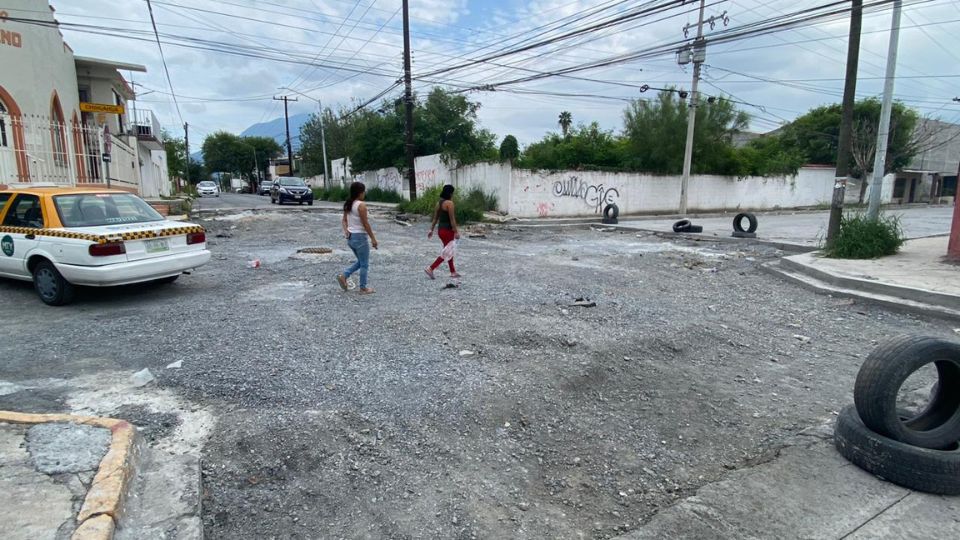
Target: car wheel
50	285
309	203
168	279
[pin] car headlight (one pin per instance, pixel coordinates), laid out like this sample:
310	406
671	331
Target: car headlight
284	191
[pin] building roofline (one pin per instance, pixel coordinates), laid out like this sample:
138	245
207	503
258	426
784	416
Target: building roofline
86	60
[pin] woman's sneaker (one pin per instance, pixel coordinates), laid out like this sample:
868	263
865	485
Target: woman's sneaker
342	280
429	273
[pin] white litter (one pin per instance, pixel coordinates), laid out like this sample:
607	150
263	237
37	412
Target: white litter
175	365
142	378
467	353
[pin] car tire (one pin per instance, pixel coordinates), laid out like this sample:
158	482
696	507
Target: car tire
751	220
681	226
309	203
695	229
52	288
921	469
884	372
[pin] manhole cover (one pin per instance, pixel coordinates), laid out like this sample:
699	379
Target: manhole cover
315	250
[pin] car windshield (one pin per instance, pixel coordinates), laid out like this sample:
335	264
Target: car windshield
297	182
97	209
206	184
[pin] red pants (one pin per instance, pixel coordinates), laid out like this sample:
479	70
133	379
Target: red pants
446	236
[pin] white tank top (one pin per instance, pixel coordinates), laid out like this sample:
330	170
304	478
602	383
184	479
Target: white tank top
354	225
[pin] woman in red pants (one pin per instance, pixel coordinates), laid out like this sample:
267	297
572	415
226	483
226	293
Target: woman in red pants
445	216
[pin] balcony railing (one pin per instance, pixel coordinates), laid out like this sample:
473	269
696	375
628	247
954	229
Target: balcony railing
146	125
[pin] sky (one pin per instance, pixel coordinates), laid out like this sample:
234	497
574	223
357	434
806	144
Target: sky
342	52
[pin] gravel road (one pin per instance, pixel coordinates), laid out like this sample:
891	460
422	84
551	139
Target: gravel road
499	409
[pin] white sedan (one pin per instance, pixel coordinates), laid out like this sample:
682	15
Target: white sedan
62	237
208	189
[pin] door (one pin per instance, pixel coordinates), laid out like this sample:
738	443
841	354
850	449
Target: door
913	189
24	212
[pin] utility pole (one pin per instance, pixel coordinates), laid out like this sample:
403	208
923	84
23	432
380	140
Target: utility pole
880	159
846	121
323	142
286	116
186	144
698	55
408	101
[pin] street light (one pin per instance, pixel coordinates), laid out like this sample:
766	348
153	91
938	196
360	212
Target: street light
323	134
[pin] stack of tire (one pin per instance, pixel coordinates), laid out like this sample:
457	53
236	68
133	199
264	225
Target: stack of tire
686	226
918	450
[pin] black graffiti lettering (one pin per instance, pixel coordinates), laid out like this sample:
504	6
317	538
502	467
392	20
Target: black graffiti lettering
594	196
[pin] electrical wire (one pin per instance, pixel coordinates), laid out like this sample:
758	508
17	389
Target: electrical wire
164	60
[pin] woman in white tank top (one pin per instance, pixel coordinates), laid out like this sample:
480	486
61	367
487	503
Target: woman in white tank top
356	227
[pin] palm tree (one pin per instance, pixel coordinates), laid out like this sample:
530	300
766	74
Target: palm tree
566	119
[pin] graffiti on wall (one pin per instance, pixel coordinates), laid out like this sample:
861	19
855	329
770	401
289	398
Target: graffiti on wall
389	180
427	177
543	209
595	196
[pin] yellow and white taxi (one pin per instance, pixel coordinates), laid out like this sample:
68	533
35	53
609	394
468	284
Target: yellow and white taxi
61	237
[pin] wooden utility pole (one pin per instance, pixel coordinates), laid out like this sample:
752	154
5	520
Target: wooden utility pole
286	116
408	103
846	121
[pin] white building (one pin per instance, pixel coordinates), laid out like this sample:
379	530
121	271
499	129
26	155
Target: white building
61	113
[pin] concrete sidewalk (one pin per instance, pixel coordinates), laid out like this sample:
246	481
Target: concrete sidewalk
808	491
919	278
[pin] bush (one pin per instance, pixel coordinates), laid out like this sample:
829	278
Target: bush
477	198
334	194
381	195
426	204
864	238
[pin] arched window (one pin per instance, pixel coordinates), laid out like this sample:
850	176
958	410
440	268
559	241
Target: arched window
58	132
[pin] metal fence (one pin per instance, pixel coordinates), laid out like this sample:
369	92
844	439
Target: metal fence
40	149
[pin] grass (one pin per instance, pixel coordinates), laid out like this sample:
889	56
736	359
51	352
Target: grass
864	238
340	194
467	210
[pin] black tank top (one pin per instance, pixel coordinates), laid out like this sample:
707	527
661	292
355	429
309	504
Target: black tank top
443	216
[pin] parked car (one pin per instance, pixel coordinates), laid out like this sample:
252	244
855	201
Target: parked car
208	189
265	188
291	189
63	237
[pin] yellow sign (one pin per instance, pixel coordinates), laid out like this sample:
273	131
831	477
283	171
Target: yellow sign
101	108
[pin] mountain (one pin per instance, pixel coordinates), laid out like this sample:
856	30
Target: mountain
277	130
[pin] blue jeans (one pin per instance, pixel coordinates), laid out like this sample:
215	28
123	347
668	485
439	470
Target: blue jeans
360	245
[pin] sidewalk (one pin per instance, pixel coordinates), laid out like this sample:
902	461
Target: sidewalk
919	278
808	491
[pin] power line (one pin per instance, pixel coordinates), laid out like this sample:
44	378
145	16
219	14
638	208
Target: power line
164	60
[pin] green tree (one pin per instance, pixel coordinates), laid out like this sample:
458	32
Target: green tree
197	172
447	124
176	155
339	130
265	149
509	149
585	147
656	130
226	152
565	121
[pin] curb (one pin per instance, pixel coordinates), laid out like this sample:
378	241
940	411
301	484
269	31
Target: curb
103	504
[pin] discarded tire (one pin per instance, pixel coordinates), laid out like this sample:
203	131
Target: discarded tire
695	229
884	372
921	469
612	211
682	226
744	234
751	220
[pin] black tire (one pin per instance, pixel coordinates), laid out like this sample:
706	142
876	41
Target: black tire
52	288
309	203
884	372
921	469
612	211
738	222
695	229
681	226
167	280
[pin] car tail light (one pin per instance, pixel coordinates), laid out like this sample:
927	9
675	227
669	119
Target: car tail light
196	238
108	249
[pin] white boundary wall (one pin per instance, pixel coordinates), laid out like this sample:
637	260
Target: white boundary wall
525	193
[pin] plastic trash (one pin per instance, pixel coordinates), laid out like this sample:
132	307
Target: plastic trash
142	378
449	251
175	365
253	264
